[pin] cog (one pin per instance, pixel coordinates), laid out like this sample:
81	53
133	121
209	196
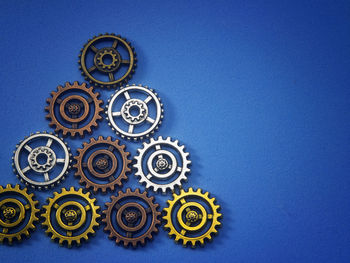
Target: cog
111	68
66	219
131	217
17	218
73	109
199	223
102	164
28	168
162	165
143	119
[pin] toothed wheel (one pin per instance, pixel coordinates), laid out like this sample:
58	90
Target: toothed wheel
41	160
74	109
108	61
129	115
131	217
162	164
192	217
70	216
102	164
18	213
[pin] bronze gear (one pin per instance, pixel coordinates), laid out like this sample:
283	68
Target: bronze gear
73	113
107	159
131	221
116	61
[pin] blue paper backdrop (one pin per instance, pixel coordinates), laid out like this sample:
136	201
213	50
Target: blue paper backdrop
258	91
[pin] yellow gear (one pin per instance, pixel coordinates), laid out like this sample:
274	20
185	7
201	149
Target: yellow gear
13	222
196	217
70	216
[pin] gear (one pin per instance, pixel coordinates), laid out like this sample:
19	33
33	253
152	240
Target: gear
124	115
102	164
131	222
70	221
18	213
29	160
74	109
163	169
108	61
194	223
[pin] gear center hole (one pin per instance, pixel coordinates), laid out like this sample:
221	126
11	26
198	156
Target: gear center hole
41	158
107	59
134	111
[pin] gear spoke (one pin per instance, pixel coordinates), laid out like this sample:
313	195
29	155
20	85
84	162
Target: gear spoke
93	48
160	156
49	142
126	95
111	148
148	99
111	76
46	177
60	160
179	169
59	101
116	113
5	230
150	120
131	128
87	208
28	148
115	44
26	169
26	207
183	201
210	216
128	234
148	176
69	233
183	232
92	69
117	206
158	147
75	125
125	61
111	178
56	206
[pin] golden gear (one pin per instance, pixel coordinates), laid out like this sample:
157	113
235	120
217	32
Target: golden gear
196	217
70	216
13	213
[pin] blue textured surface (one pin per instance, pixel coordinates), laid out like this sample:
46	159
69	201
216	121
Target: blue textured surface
258	92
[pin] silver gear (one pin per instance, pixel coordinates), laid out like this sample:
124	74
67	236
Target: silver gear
162	164
141	118
36	166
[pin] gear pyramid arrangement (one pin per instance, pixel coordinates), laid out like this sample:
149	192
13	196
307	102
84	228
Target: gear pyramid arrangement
42	160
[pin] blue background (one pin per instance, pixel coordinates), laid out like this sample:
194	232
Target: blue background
258	91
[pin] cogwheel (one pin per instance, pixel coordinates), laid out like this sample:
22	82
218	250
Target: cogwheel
142	120
163	169
108	60
51	160
102	164
67	111
68	220
18	213
194	223
131	225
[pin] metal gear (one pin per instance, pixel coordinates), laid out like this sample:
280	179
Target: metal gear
112	67
66	216
18	213
192	218
102	164
130	217
73	110
41	159
142	116
163	169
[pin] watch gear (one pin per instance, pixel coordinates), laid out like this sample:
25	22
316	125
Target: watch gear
18	213
70	107
192	217
113	69
162	164
129	221
70	216
133	119
102	164
43	154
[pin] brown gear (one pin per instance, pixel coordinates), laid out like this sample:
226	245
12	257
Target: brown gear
131	218
102	163
73	109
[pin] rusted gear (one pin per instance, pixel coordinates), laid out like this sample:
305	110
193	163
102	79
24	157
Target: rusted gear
18	213
74	109
98	160
197	217
108	60
126	219
70	216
